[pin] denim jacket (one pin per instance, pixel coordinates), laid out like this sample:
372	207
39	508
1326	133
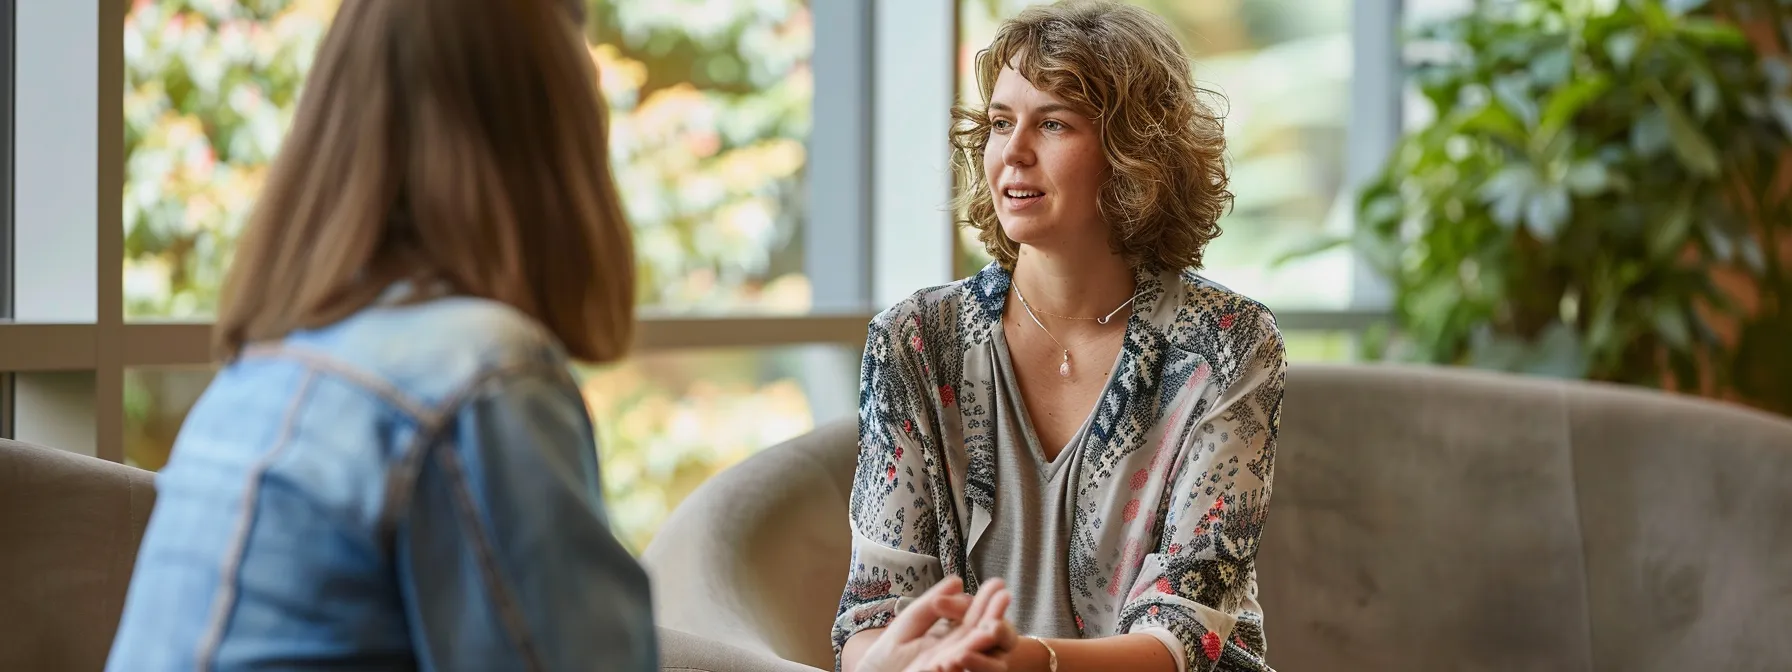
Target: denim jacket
414	487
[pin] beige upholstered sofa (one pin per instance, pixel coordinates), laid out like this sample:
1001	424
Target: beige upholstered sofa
69	527
1423	519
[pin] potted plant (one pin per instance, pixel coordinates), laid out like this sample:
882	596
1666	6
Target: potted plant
1604	193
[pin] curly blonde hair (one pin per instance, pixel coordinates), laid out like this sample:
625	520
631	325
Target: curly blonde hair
1166	146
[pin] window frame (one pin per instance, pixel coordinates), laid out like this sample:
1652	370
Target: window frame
885	76
6	182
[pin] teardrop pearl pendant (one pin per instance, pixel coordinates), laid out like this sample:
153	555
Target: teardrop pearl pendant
1064	368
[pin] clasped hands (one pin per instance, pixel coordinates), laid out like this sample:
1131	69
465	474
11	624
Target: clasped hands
946	630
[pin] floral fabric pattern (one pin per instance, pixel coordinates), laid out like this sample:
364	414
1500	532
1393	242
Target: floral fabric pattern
1170	498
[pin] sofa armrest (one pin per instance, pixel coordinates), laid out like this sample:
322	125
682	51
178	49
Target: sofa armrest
757	556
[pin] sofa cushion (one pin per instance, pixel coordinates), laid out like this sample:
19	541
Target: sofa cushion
1687	511
1422	519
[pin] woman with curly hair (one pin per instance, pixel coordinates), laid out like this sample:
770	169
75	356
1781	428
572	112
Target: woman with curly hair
1086	418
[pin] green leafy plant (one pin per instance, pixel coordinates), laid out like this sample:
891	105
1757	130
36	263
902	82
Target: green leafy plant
1603	193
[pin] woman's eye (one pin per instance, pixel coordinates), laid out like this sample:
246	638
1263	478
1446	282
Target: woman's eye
1001	124
1053	126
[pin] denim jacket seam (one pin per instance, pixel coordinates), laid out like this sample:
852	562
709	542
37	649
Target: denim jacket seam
432	422
509	614
224	602
367	380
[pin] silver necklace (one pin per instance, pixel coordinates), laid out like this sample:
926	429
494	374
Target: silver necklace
1098	320
1064	366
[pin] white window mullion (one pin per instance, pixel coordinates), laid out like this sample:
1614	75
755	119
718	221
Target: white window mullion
915	47
837	244
837	249
67	238
1377	76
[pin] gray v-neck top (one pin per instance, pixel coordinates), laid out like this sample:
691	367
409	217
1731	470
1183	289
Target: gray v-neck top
1028	540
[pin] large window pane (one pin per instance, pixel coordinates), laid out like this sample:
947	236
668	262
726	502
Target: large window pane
209	91
666	422
1320	347
156	401
1283	67
710	104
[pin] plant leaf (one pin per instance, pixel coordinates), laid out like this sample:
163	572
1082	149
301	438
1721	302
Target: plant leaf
1488	349
1711	32
1779	73
1589	177
1781	107
1667	236
1684	7
1655	16
1690	144
1670	323
1514	92
1706	97
1552	67
1568	101
1600	329
1547	211
1380	209
1621	47
1557	353
1497	121
1649	135
1508	191
1308	249
1751	254
1721	245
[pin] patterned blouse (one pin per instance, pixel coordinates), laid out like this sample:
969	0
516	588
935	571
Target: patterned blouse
1169	500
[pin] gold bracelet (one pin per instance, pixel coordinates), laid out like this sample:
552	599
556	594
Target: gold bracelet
1051	655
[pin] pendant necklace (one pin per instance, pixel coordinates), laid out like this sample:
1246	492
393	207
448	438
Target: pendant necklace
1064	366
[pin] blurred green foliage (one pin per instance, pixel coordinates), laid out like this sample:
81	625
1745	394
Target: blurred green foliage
1602	194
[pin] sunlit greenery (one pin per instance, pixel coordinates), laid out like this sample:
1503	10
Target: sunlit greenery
710	104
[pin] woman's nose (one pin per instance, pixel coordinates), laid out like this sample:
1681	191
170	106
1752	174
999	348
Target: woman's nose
1019	150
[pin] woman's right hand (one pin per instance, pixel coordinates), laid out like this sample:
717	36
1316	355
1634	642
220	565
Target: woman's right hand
945	630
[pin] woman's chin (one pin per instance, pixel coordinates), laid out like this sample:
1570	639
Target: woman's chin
1024	230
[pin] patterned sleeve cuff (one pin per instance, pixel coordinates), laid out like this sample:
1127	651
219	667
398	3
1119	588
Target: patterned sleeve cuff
1170	642
1200	630
859	618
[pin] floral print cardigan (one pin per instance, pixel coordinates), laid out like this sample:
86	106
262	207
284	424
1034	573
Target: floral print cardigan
1167	508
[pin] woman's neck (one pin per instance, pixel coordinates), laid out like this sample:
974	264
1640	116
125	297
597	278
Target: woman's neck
1081	287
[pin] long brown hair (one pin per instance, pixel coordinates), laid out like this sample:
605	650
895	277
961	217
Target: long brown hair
460	143
1120	65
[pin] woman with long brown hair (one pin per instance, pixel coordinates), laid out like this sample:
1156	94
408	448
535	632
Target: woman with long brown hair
394	468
